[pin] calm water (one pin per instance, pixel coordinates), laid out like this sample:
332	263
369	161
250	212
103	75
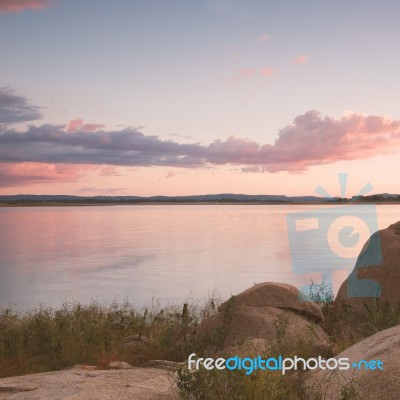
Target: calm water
52	254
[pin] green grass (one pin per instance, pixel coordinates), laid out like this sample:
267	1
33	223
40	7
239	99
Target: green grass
46	339
344	326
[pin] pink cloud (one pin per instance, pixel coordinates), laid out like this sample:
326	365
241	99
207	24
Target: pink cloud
311	140
246	72
92	127
301	59
18	174
21	5
77	124
74	125
242	73
265	37
315	140
267	71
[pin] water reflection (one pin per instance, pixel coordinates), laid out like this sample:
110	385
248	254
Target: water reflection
52	254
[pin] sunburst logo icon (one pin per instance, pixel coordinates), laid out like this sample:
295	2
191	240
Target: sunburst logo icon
328	239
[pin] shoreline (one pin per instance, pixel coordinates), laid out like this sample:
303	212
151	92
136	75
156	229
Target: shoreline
194	203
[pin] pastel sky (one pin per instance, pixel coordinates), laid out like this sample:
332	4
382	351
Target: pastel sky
147	97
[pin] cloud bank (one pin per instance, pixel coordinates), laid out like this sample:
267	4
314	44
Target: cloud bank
21	5
12	174
66	152
15	108
311	139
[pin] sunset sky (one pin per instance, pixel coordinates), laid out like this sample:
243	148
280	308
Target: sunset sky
148	97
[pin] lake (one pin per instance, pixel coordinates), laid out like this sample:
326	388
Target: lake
169	253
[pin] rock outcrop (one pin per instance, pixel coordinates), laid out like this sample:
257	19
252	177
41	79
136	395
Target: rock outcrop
380	281
265	313
81	384
369	384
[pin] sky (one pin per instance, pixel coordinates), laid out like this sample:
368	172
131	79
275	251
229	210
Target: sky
179	97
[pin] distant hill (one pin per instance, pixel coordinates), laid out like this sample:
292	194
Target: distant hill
379	198
222	197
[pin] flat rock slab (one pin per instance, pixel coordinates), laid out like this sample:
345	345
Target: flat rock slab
136	383
372	384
